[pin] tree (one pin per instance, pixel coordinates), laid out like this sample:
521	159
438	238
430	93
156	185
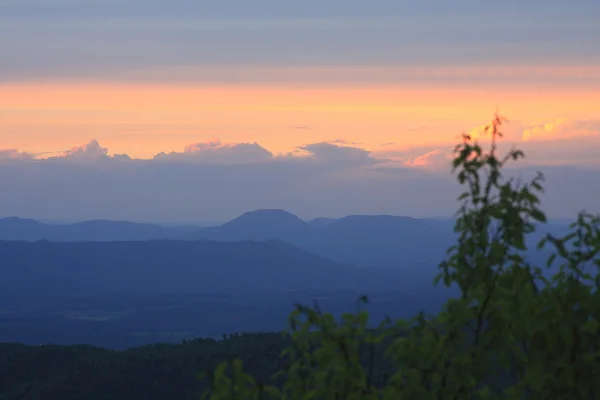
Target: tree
515	331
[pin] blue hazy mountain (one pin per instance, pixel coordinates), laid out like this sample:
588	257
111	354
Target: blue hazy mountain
14	228
321	222
260	225
381	240
122	294
244	275
364	240
156	267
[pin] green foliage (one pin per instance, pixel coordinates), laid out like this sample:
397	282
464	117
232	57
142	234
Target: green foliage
152	372
514	332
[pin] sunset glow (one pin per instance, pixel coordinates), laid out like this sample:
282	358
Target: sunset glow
143	120
146	109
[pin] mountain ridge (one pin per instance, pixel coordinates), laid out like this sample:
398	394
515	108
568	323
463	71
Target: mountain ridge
16	228
364	240
385	241
167	266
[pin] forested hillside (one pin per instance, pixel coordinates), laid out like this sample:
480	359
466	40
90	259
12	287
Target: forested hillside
160	371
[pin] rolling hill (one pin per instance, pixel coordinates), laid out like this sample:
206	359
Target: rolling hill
13	228
123	294
371	241
155	267
260	225
385	241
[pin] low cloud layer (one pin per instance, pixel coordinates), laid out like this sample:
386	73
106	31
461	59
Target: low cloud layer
562	129
216	181
433	158
333	153
13	154
90	152
554	142
217	152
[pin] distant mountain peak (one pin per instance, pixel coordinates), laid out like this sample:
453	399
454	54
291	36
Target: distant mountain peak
18	221
376	216
262	224
321	222
375	219
267	214
270	211
13	218
15	228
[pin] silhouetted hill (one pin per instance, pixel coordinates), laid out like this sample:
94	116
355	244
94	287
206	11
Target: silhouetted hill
443	224
260	225
363	240
382	241
556	227
14	228
385	241
321	222
123	294
154	267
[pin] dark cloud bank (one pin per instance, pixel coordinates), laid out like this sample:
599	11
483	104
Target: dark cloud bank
216	181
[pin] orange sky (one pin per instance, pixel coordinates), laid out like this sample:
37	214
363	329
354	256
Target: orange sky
144	119
146	78
401	79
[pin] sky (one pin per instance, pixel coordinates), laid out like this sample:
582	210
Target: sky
196	110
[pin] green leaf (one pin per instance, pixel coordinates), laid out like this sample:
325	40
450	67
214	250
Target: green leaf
538	215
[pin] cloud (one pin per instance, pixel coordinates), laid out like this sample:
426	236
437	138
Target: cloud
344	142
331	152
324	179
582	151
14	154
92	151
479	132
217	152
434	158
557	142
561	129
